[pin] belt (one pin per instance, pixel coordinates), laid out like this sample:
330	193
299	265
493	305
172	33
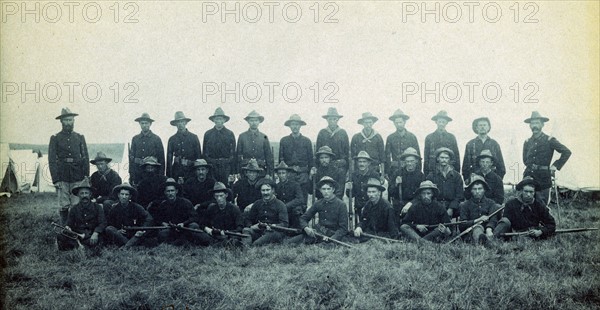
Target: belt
68	160
538	167
138	160
183	161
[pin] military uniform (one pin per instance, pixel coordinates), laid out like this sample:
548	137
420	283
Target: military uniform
436	140
255	144
83	220
333	220
519	216
142	146
182	150
297	152
290	193
268	212
473	150
451	189
199	192
219	151
120	216
379	219
473	209
395	145
372	144
537	156
103	184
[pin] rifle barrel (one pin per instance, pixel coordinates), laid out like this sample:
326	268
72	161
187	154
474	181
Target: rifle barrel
146	227
380	238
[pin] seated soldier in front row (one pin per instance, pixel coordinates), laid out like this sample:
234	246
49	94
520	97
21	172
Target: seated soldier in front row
425	213
268	210
220	216
333	216
526	213
123	214
477	210
377	217
85	218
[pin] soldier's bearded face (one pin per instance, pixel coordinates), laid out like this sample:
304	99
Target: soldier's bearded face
483	127
219	121
327	191
295	127
441	123
528	194
68	123
171	192
149	168
399	122
102	166
363	164
201	173
478	191
324	160
84	195
332	121
443	159
374	194
282	174
536	126
410	163
266	191
220	198
124	196
253	122
367	124
426	196
145	125
485	164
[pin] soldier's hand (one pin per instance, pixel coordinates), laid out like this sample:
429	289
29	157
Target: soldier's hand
309	232
140	233
357	232
57	185
483	218
313	171
535	233
165	224
489	232
268	227
422	228
68	228
325	238
122	231
406	207
94	238
255	227
222	232
180	225
231	178
208	230
450	212
349	185
553	169
441	228
398	180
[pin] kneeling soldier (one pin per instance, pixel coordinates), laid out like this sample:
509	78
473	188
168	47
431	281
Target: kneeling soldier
477	209
268	210
126	213
526	213
85	218
333	215
220	216
377	217
426	212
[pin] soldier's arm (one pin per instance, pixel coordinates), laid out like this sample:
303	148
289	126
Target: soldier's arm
85	158
169	164
467	164
160	156
283	215
500	167
308	215
101	219
132	150
53	159
456	152
239	221
549	224
391	223
388	155
198	148
268	155
565	153
342	220
144	216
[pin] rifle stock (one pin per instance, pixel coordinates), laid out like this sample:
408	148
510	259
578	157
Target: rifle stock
468	230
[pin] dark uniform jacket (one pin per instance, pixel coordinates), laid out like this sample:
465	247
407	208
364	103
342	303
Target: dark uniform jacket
333	217
268	212
131	215
395	145
451	188
410	184
339	143
290	193
226	218
103	184
142	146
254	144
333	172
378	218
537	156
474	148
179	211
435	140
150	189
496	191
296	151
421	214
245	193
219	149
523	216
198	192
472	209
68	157
359	189
372	144
87	219
182	150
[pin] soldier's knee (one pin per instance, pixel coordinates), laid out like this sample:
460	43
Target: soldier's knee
505	221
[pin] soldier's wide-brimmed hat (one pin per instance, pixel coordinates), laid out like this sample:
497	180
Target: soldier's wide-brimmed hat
373	182
427	185
474	179
327	180
332	112
536	115
441	114
220	187
255	114
145	117
528	181
179	116
264	181
100	157
362	154
66	112
477	120
325	150
398	113
85	183
201	163
367	115
410	152
444	149
252	166
486	154
150	160
283	166
126	186
219	112
295	118
171	182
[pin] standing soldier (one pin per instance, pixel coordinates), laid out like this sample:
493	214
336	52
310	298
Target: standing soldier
481	126
255	144
537	155
197	189
68	160
437	139
335	138
370	141
104	180
219	147
296	151
448	181
143	145
397	143
290	193
182	150
325	168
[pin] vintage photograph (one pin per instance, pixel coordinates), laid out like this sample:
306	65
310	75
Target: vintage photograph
300	154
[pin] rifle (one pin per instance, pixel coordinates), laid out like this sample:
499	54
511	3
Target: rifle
138	228
351	214
447	224
228	233
379	237
468	230
67	232
558	231
299	231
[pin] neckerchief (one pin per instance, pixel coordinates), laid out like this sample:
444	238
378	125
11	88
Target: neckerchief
368	139
332	133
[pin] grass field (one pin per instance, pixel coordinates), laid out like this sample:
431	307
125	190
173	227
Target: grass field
561	273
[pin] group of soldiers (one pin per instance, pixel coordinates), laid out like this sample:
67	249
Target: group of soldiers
222	191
